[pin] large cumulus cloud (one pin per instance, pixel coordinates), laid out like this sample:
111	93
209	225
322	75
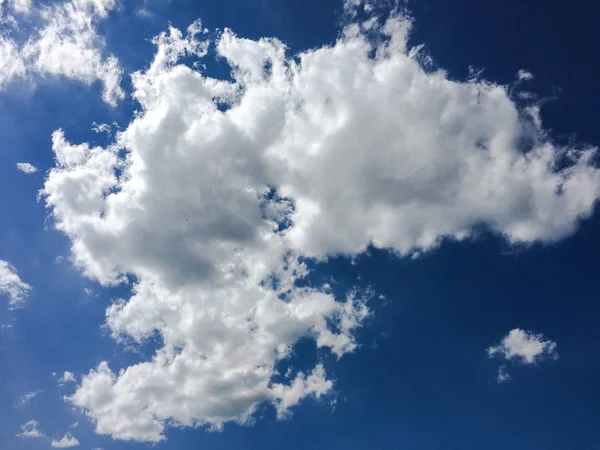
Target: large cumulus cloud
217	190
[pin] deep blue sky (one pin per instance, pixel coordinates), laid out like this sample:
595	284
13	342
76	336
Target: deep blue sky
421	379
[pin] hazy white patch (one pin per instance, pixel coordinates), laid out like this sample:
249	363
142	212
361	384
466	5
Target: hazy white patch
12	286
524	75
12	65
26	168
27	398
503	374
31	430
144	13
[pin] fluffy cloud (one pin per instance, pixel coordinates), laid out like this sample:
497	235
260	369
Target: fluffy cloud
30	430
524	346
68	377
523	75
66	44
214	195
11	285
26	168
67	441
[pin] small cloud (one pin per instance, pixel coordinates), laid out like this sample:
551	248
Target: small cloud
30	430
503	375
144	13
67	441
522	347
525	346
12	286
524	75
25	399
88	291
101	128
26	168
68	377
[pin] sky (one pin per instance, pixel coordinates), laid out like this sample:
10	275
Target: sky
334	224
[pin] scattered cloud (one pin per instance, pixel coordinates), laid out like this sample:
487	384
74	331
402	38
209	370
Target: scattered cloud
68	377
218	190
102	128
523	75
67	441
26	168
12	65
522	347
525	346
503	374
63	43
26	398
144	13
31	430
16	6
12	286
315	384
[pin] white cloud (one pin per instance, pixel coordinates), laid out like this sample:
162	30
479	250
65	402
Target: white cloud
26	168
67	441
26	398
65	44
359	150
30	430
11	62
68	45
524	75
17	6
524	346
290	395
144	13
101	128
11	285
503	374
68	377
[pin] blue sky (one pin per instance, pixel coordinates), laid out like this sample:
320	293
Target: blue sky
327	246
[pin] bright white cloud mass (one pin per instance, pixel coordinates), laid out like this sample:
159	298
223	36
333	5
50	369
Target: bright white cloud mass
11	285
212	198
